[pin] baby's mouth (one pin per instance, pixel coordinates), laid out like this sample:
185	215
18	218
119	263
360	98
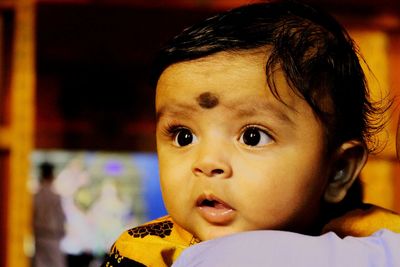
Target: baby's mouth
214	210
209	203
213	203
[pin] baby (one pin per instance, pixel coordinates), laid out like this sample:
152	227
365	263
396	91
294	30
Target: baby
263	123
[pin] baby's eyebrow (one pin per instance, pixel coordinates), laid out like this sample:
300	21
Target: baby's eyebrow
241	109
177	109
256	108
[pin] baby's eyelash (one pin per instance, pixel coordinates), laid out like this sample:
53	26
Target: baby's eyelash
256	126
172	129
260	128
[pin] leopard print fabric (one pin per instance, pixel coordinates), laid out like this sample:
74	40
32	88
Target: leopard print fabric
161	229
116	260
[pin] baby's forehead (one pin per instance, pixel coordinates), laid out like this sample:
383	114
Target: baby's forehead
224	79
222	58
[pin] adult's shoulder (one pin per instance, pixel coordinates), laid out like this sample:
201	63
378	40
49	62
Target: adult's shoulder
280	248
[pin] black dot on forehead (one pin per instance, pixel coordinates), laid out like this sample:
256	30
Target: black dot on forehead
207	100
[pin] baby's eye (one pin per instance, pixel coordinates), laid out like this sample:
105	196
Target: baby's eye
253	136
184	137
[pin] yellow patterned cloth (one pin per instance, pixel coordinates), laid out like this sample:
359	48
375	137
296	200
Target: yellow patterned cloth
160	242
157	243
364	222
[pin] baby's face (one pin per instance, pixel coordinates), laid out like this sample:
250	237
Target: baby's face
232	157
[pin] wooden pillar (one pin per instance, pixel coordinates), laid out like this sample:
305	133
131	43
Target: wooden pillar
21	133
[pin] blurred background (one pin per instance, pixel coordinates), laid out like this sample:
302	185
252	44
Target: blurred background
74	92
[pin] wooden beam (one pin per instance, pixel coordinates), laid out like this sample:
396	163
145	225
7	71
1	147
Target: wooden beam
7	4
21	135
5	138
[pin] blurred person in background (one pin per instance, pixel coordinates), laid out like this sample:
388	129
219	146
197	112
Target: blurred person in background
48	222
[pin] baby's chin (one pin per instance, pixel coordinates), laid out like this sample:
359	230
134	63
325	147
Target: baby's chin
214	232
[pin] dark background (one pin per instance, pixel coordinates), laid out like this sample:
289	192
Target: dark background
93	60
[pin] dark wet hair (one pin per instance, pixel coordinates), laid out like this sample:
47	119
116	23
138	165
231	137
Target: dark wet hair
319	59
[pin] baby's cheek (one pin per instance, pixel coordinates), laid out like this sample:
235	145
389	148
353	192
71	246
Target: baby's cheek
270	209
171	203
173	191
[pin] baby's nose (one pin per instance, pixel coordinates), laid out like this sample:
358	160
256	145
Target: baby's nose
212	161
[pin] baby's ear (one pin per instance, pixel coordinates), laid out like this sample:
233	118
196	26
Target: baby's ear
350	159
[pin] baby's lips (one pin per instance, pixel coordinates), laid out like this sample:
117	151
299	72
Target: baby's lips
212	201
214	210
